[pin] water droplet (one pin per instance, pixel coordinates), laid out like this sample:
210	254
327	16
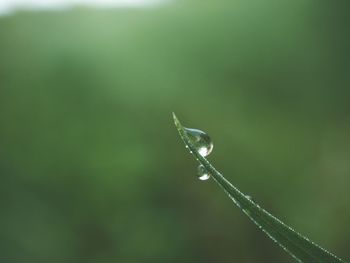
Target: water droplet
203	174
200	140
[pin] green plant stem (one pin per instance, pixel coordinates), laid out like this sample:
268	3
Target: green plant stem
298	246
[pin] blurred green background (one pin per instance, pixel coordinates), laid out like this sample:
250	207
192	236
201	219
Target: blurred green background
93	170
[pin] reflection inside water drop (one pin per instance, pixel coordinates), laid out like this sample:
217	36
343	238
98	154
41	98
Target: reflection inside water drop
200	140
203	174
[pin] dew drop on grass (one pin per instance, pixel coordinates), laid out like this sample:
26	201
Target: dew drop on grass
200	140
203	174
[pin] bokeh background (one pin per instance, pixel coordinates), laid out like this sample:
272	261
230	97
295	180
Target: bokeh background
93	170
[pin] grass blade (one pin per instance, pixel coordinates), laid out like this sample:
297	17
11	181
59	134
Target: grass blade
298	246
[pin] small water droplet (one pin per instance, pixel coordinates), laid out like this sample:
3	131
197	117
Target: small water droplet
200	140
203	174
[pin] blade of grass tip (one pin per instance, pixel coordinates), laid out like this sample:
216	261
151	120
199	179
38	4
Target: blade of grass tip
298	246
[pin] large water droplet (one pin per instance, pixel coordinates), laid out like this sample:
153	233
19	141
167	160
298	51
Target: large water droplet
203	174
200	140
